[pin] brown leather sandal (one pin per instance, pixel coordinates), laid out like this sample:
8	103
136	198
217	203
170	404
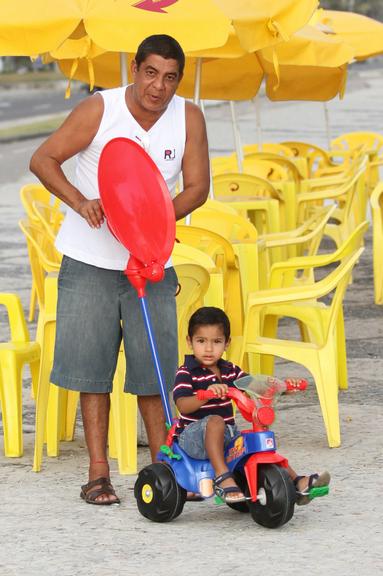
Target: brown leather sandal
104	487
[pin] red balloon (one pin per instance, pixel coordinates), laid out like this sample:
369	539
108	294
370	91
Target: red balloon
136	201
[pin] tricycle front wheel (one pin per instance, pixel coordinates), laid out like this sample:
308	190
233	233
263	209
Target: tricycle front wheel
276	497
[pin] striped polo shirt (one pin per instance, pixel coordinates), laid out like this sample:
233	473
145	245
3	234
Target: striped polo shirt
191	376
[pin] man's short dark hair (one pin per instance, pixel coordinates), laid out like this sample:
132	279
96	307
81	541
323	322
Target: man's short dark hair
209	316
162	45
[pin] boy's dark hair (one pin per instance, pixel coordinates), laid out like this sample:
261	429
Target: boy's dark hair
162	45
207	316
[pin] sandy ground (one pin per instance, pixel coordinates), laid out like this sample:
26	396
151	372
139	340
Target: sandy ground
46	529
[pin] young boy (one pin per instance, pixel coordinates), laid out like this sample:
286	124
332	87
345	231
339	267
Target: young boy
207	426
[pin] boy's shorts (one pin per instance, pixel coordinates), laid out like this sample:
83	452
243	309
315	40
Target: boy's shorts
192	439
97	308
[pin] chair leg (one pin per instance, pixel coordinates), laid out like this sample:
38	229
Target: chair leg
42	398
11	405
71	413
325	376
269	330
341	352
32	302
124	416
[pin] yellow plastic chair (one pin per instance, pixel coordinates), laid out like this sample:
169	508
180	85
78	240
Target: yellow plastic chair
222	254
371	143
317	160
28	194
351	201
377	222
250	196
13	355
194	282
302	271
49	217
62	404
184	253
319	357
302	241
286	177
56	403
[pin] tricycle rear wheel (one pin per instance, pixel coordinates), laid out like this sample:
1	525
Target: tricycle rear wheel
159	497
278	491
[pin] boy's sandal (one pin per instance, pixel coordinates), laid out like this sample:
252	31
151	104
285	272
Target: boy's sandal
104	487
223	493
317	486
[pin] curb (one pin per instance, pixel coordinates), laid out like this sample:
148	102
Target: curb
21	137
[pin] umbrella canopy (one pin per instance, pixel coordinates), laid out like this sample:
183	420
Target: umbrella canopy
311	66
228	73
364	34
29	28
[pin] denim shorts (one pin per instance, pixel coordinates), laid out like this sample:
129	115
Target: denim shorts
192	439
99	308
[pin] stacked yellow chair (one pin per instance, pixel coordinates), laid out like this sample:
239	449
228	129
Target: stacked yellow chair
225	261
319	357
302	271
371	143
28	194
14	354
350	198
193	284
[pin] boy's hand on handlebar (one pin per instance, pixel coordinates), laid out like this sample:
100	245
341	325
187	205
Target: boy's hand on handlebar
220	390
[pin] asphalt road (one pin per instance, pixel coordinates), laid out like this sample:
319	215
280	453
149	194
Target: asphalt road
16	104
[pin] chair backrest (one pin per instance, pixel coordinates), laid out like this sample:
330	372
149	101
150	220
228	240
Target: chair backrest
292	170
223	164
238	185
284	277
269	170
43	256
274	147
233	227
194	282
50	217
353	140
316	157
36	193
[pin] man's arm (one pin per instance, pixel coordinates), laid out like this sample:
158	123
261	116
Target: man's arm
75	134
195	164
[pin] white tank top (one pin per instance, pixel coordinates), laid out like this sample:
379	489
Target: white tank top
164	142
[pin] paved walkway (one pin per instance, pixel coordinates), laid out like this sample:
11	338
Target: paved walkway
46	529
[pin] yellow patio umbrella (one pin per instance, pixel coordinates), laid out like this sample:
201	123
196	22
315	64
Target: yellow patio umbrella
310	66
28	28
228	73
364	34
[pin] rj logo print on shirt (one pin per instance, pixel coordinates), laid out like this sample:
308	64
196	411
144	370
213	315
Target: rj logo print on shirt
169	154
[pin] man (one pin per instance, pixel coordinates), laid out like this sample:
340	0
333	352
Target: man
96	304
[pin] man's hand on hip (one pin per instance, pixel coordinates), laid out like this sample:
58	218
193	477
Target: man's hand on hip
91	210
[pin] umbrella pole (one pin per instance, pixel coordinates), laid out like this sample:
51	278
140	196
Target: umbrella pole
237	137
258	122
197	81
327	124
123	69
157	367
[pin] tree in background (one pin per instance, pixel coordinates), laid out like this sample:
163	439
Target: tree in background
371	8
